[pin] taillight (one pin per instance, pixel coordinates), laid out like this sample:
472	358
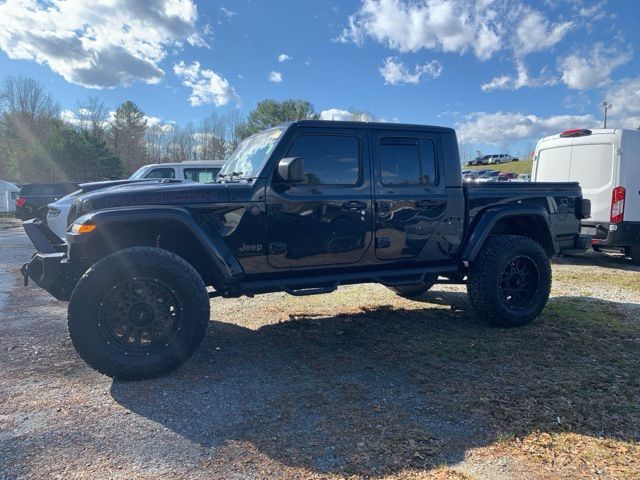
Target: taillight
576	132
20	202
617	205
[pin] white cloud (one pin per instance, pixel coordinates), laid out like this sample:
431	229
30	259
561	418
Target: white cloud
396	73
206	85
275	77
228	14
480	27
535	33
503	128
339	114
283	57
450	26
69	116
592	68
520	80
98	44
624	95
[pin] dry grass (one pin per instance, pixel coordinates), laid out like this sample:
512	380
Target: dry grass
351	385
522	166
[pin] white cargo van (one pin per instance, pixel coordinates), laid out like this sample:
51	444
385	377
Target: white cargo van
606	163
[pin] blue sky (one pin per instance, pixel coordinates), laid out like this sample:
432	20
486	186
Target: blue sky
504	73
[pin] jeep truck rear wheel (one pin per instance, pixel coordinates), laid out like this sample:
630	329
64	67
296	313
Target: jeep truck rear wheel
510	281
138	313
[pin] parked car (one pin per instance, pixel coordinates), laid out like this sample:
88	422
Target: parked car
60	213
34	197
487	176
478	161
201	171
301	208
501	158
606	164
524	177
507	177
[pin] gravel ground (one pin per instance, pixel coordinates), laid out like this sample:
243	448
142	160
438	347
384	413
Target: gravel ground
282	387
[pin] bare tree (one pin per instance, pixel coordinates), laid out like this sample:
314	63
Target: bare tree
93	116
182	145
157	139
26	97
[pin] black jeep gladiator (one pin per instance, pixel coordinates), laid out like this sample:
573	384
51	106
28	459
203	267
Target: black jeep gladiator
301	208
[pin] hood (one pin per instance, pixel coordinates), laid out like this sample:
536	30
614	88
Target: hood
155	193
92	186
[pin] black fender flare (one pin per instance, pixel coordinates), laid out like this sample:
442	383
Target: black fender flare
490	217
223	260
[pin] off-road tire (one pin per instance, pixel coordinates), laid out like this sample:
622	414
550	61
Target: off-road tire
158	271
411	291
488	290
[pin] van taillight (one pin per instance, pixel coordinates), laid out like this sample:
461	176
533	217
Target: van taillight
20	202
575	132
617	205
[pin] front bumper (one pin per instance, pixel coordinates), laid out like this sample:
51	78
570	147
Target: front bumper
48	267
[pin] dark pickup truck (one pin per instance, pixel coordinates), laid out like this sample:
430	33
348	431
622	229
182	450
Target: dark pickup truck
301	208
33	198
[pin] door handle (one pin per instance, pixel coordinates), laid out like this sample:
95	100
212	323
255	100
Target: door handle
430	203
354	205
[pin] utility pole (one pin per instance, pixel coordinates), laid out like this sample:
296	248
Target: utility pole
606	106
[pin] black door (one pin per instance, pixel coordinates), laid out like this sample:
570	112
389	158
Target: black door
410	198
328	218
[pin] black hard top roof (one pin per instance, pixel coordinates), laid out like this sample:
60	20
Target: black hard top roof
370	125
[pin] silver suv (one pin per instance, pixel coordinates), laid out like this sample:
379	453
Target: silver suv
502	158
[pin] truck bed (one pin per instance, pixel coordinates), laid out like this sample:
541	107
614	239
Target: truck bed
561	200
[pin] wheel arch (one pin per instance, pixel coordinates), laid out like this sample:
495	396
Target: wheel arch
170	228
530	222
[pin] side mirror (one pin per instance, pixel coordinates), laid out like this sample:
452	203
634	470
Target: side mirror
291	169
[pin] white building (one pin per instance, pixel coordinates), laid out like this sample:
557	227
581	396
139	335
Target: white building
8	194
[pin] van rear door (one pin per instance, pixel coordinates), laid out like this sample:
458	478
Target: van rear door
587	160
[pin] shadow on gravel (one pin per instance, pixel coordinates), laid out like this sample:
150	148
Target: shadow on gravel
385	389
607	260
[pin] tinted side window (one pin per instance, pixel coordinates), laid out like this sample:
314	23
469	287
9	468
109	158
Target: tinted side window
407	161
202	175
428	153
328	159
400	161
161	173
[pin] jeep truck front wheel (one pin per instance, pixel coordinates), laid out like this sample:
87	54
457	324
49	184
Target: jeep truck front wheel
138	313
510	281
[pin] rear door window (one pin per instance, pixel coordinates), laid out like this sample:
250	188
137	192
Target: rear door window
202	175
407	161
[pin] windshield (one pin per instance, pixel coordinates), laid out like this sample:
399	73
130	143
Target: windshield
138	173
249	158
